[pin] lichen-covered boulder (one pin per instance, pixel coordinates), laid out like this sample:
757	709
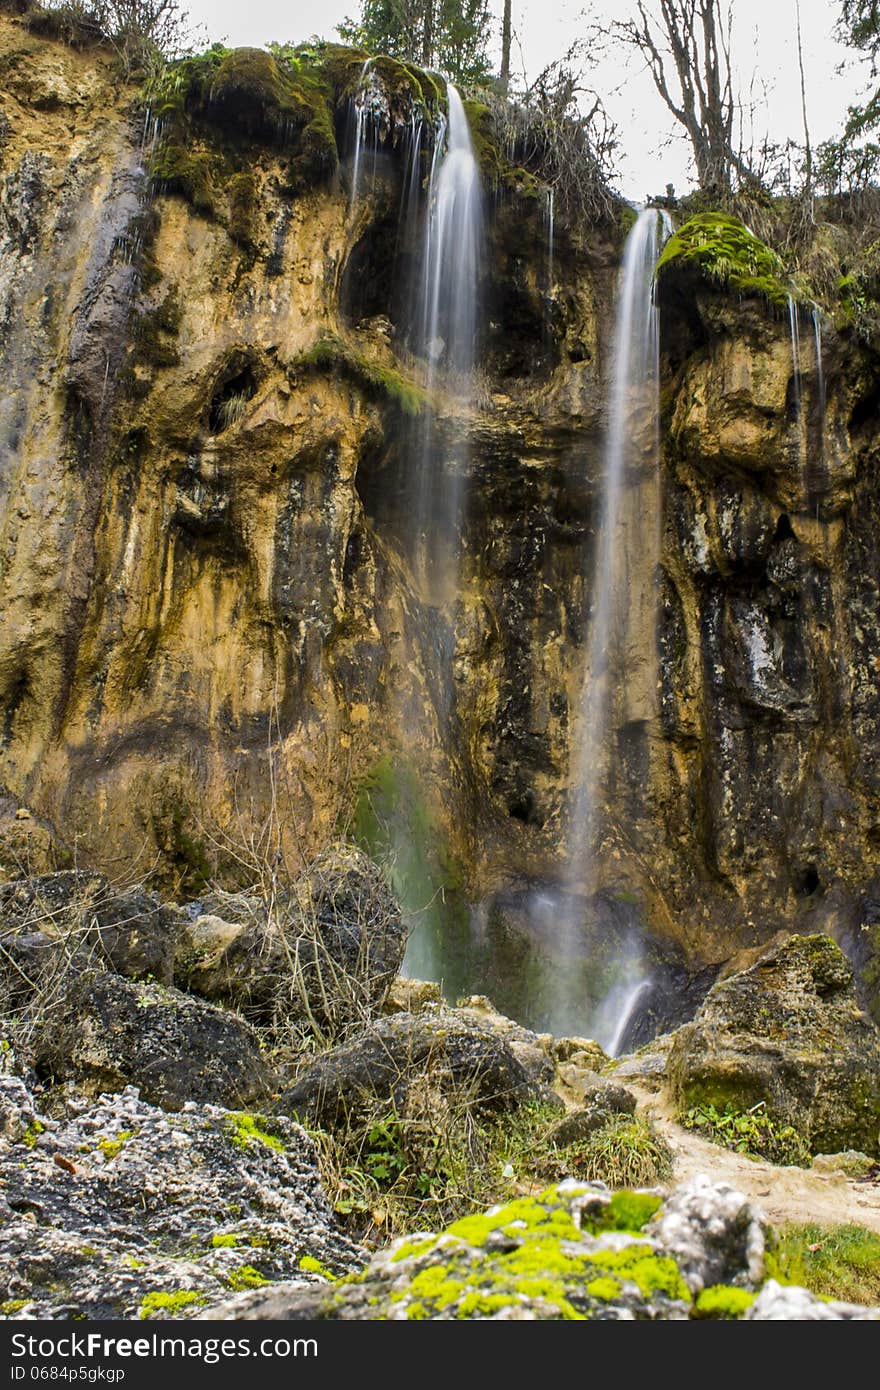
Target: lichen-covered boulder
396	1053
108	1033
575	1252
120	1211
788	1033
326	954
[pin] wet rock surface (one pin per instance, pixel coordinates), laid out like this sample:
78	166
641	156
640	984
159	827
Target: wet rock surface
787	1033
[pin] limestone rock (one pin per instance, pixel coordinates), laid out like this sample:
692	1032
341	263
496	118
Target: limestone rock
122	1211
575	1252
108	1033
411	996
787	1032
713	1234
784	1303
396	1053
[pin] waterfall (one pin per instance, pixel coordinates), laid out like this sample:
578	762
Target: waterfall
794	327
630	455
614	1015
361	114
820	366
549	241
620	668
446	339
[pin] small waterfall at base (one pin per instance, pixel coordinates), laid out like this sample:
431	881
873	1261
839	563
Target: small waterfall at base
613	1016
620	673
447	333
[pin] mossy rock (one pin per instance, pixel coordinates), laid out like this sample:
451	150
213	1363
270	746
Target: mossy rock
727	254
384	384
786	1035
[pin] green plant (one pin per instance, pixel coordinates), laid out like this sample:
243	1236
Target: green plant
840	1262
626	1152
748	1132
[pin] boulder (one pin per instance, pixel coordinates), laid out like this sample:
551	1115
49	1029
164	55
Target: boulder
788	1033
601	1102
574	1252
120	1211
396	1053
325	956
108	1033
81	918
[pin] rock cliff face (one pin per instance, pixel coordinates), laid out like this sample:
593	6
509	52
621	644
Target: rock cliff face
206	561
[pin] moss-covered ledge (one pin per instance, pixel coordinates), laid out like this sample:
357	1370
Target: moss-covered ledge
727	254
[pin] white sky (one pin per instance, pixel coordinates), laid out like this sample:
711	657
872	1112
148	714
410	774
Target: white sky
764	44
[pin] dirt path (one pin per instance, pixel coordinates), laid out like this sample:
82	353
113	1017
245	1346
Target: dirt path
783	1194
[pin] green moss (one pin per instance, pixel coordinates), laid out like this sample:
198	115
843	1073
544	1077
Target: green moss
627	1211
247	1129
242	194
245	1277
170	1303
12	1306
189	173
410	1248
652	1274
331	354
524	1214
722	1301
32	1134
437	1287
477	1304
726	253
111	1148
606	1289
227	1241
313	1266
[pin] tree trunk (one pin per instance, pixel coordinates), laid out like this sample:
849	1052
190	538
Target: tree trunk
504	79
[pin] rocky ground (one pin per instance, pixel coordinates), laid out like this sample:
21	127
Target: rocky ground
155	1163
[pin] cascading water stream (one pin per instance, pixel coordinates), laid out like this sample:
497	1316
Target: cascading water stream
620	665
361	115
794	328
447	336
631	451
549	241
444	335
820	365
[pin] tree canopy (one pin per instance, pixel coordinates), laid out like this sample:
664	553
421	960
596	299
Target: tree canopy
452	35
